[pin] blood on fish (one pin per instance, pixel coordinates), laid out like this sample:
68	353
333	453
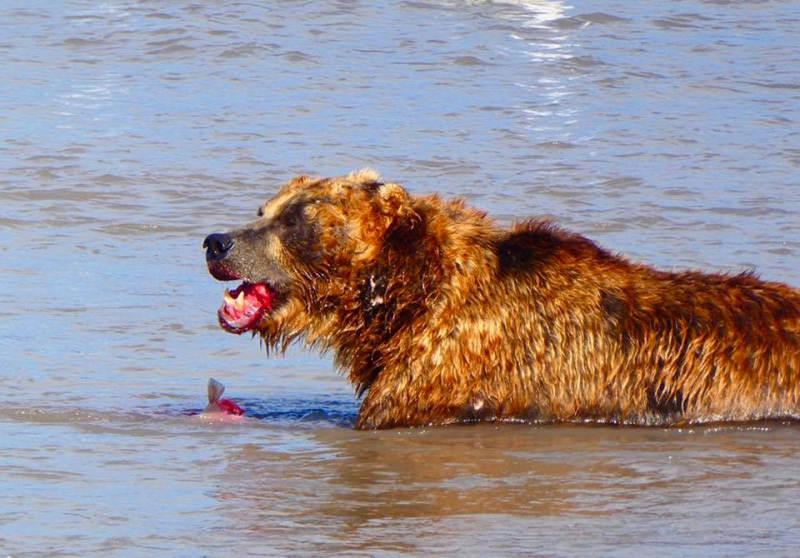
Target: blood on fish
218	405
230	408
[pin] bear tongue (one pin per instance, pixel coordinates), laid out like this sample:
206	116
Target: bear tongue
244	306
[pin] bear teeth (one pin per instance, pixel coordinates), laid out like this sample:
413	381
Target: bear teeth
237	303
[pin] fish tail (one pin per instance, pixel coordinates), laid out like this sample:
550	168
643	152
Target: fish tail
215	391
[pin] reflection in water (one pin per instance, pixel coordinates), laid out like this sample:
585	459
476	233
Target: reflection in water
534	13
547	47
96	100
352	483
423	490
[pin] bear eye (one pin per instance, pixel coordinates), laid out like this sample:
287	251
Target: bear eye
292	216
260	212
290	220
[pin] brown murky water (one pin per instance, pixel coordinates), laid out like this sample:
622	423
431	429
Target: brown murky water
666	131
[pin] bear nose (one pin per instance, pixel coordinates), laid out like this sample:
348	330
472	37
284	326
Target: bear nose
217	246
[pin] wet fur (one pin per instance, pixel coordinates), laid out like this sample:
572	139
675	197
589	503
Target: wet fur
439	316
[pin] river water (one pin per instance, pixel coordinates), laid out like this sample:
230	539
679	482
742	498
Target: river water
667	131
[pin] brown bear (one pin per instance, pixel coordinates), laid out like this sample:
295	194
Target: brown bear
439	316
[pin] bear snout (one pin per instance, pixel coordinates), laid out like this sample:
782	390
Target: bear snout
217	246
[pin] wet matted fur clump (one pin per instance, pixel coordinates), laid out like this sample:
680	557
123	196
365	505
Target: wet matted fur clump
437	315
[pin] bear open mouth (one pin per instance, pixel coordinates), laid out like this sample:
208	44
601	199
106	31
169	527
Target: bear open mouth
244	307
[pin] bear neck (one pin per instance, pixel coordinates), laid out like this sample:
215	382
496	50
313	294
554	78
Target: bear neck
377	316
422	267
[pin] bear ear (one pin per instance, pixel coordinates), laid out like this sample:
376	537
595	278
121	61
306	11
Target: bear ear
300	181
365	176
392	198
397	210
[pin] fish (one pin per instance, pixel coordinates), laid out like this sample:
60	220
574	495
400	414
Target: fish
218	405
